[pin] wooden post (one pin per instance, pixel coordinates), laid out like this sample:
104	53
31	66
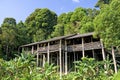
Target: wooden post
37	59
63	57
103	52
37	55
93	53
74	61
60	48
57	62
66	57
32	50
43	60
83	51
114	60
48	53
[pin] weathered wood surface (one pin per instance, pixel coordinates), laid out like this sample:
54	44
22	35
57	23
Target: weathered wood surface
87	46
70	48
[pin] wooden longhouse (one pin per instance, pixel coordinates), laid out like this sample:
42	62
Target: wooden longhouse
64	50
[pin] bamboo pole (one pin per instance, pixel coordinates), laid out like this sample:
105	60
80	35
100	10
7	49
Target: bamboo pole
114	60
66	68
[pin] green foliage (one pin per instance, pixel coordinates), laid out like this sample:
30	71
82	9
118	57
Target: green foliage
107	24
24	67
40	24
90	69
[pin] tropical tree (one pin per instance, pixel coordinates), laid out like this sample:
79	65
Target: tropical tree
107	24
8	37
40	24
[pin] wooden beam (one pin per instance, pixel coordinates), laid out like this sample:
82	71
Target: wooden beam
48	53
66	68
114	60
83	51
60	51
103	52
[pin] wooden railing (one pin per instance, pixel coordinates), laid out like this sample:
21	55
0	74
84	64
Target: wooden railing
92	45
77	47
43	49
70	48
87	46
51	49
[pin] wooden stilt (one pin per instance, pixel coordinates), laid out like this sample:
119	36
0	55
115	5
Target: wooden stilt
114	60
63	56
83	51
103	52
93	53
43	60
37	55
48	53
66	68
57	62
37	59
74	61
32	50
60	49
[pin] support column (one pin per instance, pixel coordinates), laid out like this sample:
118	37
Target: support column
60	49
37	59
43	60
37	55
63	61
83	51
66	68
103	52
48	53
32	50
57	62
93	53
114	60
